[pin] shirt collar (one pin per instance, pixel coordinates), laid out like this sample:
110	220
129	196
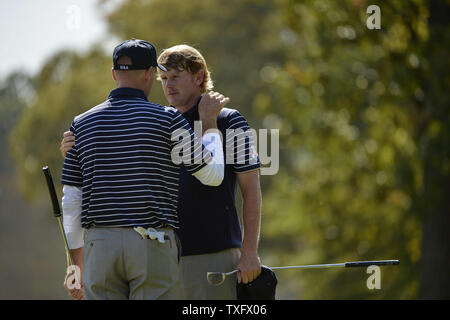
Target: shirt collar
128	92
192	112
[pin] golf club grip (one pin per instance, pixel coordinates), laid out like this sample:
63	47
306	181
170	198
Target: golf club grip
371	263
51	190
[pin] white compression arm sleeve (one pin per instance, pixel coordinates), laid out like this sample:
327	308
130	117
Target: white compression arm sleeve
71	205
212	174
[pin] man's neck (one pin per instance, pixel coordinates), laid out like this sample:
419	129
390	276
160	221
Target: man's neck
188	106
134	86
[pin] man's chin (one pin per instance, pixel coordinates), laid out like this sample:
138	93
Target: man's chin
172	100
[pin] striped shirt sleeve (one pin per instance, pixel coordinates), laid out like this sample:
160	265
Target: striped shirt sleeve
187	148
241	149
71	171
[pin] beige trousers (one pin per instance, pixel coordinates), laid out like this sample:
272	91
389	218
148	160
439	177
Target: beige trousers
120	264
193	275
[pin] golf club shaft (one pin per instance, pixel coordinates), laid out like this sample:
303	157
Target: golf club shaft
56	210
334	265
330	265
217	278
345	264
66	244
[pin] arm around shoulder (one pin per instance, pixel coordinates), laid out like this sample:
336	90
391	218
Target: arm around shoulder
213	173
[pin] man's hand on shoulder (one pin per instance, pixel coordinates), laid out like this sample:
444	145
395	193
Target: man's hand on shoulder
67	143
211	104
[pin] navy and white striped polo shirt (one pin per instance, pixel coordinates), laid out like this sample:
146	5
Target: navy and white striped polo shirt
122	161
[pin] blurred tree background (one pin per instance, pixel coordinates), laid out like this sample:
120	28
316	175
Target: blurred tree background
363	117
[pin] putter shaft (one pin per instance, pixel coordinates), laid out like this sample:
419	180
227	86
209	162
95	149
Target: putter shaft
66	244
57	210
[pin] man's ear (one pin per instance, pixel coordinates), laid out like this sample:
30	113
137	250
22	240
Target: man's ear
199	76
113	74
149	73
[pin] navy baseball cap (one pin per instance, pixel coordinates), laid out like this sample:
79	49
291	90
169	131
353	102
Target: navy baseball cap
141	53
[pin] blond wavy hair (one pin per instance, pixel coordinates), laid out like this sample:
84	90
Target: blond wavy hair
186	58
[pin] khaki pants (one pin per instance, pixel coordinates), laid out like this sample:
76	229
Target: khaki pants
193	275
120	264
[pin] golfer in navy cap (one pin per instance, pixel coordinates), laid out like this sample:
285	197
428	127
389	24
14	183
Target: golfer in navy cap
120	183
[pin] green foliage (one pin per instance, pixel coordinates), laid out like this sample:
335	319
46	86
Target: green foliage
15	91
66	86
353	183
